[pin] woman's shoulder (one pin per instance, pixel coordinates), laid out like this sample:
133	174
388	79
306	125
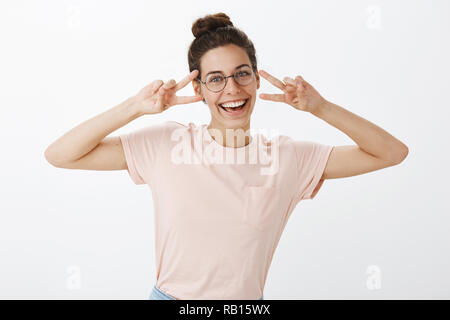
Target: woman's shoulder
177	124
273	139
174	128
172	125
287	144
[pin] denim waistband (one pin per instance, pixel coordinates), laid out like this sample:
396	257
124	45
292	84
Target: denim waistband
158	294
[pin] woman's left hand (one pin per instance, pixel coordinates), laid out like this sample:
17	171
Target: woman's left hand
297	93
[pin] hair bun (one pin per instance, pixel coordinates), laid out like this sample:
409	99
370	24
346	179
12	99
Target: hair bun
210	23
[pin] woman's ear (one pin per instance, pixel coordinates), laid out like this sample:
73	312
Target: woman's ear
257	80
198	89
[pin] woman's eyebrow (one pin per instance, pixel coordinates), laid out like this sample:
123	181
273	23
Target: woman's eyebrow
245	64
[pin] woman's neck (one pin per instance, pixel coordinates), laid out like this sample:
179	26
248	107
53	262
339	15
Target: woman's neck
237	136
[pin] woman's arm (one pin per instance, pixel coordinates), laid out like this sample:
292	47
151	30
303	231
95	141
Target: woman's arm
85	146
375	149
79	141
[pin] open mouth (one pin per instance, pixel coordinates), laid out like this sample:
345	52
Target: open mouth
235	110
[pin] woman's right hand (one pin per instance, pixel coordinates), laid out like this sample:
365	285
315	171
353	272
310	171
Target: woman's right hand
159	96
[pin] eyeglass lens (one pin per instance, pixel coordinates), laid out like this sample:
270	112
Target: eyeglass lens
216	81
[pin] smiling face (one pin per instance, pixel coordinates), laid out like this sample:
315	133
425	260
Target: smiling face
226	59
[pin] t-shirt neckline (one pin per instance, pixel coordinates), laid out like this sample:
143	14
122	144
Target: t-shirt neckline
210	138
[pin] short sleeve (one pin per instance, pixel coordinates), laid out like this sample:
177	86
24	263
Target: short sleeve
141	149
311	158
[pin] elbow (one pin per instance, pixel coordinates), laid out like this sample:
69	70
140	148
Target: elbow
47	156
50	158
400	154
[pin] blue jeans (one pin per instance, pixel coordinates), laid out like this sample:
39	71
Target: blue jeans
158	294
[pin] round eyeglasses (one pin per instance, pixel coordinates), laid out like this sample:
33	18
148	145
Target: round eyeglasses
216	82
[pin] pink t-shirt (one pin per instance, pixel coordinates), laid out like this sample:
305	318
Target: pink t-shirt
217	224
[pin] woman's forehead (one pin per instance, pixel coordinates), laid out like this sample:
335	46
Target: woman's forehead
218	70
224	59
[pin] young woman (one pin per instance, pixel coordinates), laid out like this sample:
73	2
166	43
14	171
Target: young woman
218	220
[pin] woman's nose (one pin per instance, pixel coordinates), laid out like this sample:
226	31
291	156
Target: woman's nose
231	86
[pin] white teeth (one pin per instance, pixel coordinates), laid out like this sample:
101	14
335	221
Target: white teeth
233	104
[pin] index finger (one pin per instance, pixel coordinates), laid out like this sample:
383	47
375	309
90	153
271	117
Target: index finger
277	83
191	76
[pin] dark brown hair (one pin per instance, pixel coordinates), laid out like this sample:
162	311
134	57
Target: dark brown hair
214	31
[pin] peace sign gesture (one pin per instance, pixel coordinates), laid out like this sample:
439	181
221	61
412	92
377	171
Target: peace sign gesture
159	96
297	93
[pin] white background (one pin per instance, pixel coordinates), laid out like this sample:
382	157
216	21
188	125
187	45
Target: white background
76	234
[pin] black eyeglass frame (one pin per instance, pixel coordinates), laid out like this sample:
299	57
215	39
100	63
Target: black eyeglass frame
226	79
